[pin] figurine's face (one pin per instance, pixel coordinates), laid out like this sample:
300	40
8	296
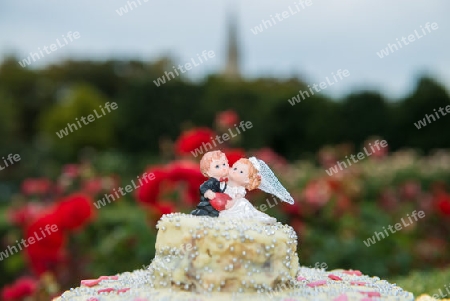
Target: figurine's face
219	168
239	173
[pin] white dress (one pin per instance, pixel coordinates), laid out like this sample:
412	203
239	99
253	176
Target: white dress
242	208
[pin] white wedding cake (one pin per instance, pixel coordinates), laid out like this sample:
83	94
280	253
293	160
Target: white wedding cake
204	258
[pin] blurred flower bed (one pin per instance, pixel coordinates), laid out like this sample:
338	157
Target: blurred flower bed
332	215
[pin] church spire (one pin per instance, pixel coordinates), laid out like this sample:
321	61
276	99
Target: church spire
232	65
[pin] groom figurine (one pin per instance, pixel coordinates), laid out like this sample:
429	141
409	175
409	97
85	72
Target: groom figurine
214	165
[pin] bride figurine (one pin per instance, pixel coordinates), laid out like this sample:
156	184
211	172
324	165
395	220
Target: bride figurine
250	174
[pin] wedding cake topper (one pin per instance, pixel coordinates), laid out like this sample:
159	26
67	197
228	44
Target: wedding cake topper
223	194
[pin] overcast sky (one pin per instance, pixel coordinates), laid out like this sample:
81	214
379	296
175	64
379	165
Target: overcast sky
316	41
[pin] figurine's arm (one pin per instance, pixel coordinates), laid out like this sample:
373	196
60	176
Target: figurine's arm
205	189
240	193
229	204
209	194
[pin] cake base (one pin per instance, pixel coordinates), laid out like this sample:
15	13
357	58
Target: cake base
198	254
312	284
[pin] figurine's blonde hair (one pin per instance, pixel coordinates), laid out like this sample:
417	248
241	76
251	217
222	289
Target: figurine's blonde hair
207	158
253	174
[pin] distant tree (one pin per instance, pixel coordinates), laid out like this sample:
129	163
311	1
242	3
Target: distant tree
427	97
149	113
22	85
9	122
364	114
74	103
306	126
46	100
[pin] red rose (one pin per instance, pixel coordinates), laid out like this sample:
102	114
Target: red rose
74	211
148	193
192	141
45	240
43	259
93	186
234	154
188	172
71	170
36	186
46	231
443	203
23	287
317	192
227	119
183	170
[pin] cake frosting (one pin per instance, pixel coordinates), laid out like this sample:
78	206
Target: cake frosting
204	258
311	285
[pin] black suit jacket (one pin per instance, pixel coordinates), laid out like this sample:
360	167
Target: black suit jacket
204	207
211	184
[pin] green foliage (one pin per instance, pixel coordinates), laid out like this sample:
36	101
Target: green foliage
124	240
149	113
9	117
312	123
364	114
425	282
426	99
77	102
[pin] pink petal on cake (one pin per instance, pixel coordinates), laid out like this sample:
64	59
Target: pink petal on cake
92	299
353	272
334	277
371	294
342	297
317	283
123	290
108	277
360	283
366	299
106	290
90	282
300	278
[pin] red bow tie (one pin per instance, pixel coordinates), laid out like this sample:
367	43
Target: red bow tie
223	180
